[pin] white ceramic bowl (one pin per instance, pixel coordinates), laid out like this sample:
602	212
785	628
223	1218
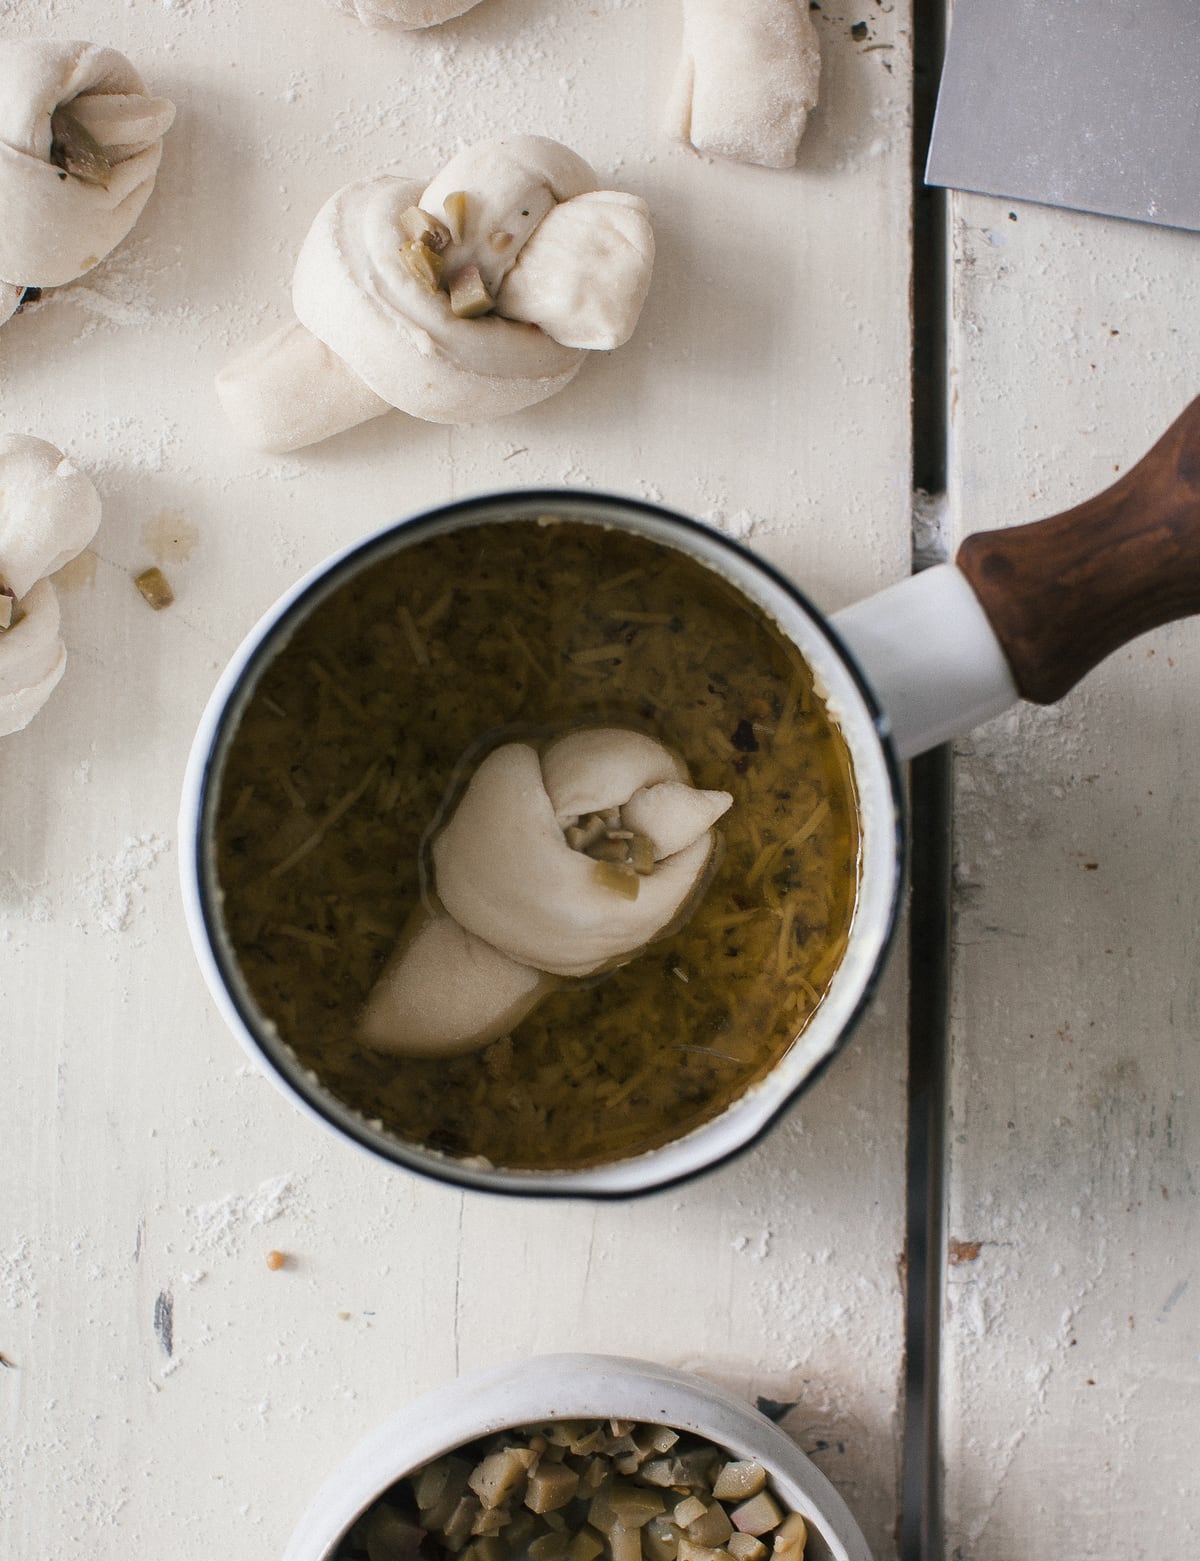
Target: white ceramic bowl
573	1387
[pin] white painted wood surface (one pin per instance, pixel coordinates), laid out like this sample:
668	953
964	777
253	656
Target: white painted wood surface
1072	1352
168	1394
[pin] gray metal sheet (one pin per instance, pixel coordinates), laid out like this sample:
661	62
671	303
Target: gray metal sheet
1089	104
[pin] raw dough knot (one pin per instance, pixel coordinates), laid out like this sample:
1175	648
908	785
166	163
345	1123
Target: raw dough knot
80	144
49	512
405	14
459	301
528	869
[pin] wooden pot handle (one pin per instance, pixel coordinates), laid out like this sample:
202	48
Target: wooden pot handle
1063	593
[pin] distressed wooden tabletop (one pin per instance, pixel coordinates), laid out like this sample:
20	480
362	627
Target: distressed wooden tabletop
1071	1410
168	1392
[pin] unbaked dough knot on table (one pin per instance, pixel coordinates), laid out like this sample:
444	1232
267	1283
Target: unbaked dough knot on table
49	512
405	14
458	301
80	145
747	80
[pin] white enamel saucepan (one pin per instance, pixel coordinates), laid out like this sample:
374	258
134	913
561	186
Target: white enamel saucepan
1022	614
573	1387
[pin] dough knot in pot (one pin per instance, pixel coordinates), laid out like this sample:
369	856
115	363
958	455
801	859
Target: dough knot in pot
49	512
747	79
459	301
80	145
553	864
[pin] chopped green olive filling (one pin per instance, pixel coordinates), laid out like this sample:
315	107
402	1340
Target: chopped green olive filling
602	837
75	150
469	297
577	1491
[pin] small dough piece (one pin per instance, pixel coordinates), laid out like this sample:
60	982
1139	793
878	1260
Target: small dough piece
10	297
747	80
404	14
510	186
672	814
446	991
57	223
49	512
375	333
32	659
599	767
291	390
520	904
584	274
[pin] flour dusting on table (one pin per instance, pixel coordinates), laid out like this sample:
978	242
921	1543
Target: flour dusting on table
114	892
221	1226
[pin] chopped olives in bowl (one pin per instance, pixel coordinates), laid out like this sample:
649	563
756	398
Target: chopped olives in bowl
581	1490
578	1458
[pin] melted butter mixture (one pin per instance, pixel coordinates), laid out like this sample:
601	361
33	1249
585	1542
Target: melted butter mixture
357	732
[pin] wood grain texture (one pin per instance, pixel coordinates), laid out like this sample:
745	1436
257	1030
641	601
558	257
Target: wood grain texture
1072	1335
145	1168
1065	592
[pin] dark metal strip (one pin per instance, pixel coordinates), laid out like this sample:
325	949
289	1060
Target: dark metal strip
920	1537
